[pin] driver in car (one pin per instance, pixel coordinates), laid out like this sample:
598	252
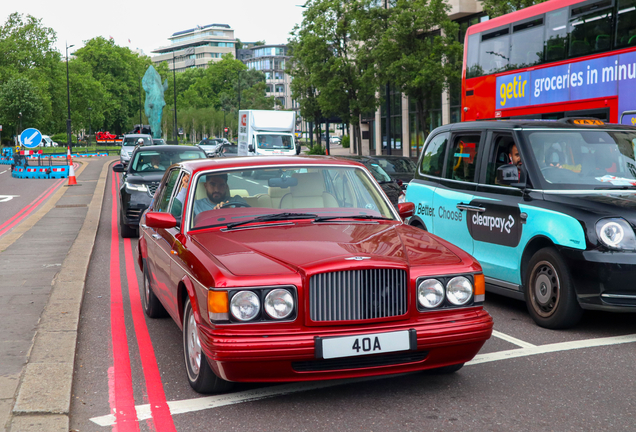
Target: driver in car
153	164
218	195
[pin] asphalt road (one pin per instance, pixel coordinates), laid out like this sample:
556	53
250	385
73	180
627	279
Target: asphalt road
525	378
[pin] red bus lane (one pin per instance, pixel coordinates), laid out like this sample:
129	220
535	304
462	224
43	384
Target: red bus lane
122	400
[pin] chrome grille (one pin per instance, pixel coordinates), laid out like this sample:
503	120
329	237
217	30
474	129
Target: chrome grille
357	295
152	188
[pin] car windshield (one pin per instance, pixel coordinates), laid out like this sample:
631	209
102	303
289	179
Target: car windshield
155	161
318	191
132	141
585	158
158	142
397	165
274	142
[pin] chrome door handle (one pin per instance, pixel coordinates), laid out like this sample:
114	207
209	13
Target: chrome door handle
144	226
157	236
468	207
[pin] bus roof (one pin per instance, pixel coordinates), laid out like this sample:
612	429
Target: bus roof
520	15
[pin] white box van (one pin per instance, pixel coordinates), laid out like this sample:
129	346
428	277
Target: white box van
263	132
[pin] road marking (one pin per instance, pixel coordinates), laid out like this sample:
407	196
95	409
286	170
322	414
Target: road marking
198	404
3	172
6	198
512	340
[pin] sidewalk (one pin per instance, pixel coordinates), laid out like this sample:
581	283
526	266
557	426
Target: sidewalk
43	263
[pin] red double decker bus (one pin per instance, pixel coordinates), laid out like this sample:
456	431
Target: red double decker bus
561	58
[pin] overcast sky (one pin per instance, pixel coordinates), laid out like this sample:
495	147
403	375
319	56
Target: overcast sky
149	24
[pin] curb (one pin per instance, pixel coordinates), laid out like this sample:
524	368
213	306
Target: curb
44	394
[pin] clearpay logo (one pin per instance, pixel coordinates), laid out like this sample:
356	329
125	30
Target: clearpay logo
498	223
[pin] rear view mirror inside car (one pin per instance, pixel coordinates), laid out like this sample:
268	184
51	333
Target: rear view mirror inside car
282	182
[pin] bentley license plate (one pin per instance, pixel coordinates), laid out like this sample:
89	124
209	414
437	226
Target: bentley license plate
374	343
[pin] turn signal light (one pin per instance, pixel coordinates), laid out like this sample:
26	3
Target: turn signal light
480	287
217	305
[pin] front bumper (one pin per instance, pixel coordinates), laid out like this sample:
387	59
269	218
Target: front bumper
292	357
603	280
133	204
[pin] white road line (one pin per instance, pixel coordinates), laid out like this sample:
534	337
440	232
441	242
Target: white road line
512	340
3	172
256	183
199	404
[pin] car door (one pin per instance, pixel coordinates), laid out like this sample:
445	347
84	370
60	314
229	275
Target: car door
497	230
160	243
452	199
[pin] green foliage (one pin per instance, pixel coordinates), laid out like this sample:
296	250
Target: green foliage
61	138
20	102
345	141
317	149
495	8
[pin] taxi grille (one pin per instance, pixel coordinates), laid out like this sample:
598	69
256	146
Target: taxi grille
152	188
358	295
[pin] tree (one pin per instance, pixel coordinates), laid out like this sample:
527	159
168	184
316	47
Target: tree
495	8
419	52
331	55
21	100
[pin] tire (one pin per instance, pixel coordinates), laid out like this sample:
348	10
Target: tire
125	230
200	375
550	295
151	304
446	370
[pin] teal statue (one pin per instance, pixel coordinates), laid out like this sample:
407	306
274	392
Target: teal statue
154	99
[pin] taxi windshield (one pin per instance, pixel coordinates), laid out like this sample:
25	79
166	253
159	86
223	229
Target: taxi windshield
585	159
318	191
274	142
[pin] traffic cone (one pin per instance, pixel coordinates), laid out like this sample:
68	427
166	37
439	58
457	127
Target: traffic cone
72	181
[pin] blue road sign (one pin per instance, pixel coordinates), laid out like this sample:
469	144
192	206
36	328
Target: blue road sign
31	138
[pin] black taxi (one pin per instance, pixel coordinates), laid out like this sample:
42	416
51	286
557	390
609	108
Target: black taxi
547	207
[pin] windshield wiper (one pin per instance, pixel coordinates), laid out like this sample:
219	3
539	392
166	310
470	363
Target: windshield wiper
274	217
327	218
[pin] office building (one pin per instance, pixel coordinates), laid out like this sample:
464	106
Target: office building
271	59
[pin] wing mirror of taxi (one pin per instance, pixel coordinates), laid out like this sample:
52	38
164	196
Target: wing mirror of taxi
511	175
406	210
118	168
160	220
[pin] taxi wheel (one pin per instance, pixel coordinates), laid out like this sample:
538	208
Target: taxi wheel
550	295
152	306
200	375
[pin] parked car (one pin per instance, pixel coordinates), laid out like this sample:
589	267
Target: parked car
548	209
48	142
211	145
400	168
129	143
333	139
141	178
310	274
391	188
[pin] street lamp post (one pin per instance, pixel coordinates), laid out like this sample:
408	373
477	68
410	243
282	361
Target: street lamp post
174	79
90	129
68	102
140	104
388	106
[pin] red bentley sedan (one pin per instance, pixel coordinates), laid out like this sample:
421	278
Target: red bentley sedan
303	270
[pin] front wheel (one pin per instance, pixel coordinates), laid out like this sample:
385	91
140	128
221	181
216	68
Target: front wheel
550	295
200	375
125	230
151	304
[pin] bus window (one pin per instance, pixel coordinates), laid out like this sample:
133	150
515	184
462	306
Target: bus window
556	31
591	28
472	57
527	40
494	51
626	25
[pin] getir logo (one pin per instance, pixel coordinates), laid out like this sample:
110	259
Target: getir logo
512	90
243	119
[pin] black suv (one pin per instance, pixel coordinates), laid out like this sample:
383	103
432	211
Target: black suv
547	207
141	179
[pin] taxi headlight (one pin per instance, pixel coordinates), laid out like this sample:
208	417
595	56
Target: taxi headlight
279	303
430	293
459	290
616	233
245	305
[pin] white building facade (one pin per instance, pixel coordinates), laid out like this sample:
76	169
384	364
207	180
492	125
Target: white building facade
271	60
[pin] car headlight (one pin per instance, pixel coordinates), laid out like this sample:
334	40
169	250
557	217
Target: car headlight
245	305
430	293
459	290
616	233
279	303
136	187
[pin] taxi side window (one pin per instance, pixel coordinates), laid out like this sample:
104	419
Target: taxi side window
433	156
462	158
499	156
164	199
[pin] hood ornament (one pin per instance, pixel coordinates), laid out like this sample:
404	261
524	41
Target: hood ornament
357	258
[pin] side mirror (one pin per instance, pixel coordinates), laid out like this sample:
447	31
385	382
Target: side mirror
160	220
119	168
250	148
510	175
406	210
